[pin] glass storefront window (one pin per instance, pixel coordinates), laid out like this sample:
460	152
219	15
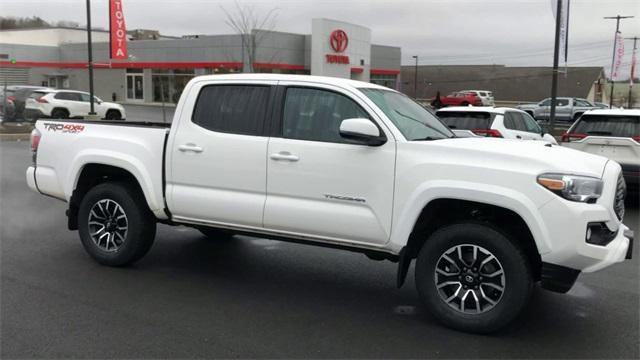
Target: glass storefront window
384	80
168	84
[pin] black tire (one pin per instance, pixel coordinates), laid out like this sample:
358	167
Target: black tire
140	224
113	115
464	103
59	114
215	234
517	281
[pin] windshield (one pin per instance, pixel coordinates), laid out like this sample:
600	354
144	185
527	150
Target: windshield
608	125
465	120
413	121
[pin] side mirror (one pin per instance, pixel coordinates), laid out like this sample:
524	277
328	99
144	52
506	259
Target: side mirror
362	131
550	139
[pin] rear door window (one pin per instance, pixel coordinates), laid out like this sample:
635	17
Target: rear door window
466	120
530	124
608	125
235	109
69	96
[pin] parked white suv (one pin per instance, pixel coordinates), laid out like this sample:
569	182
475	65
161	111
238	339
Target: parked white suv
484	95
614	134
63	104
500	122
348	165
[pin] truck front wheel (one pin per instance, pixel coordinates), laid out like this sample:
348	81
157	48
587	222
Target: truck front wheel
115	225
473	278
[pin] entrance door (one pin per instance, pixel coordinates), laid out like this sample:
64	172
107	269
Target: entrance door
135	87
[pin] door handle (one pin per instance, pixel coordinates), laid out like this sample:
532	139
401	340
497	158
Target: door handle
284	155
518	137
190	147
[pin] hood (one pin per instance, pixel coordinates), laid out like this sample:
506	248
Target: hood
112	104
534	156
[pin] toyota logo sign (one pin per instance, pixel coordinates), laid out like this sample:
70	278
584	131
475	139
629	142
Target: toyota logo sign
339	40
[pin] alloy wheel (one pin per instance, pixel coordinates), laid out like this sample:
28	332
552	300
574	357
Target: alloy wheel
470	279
108	225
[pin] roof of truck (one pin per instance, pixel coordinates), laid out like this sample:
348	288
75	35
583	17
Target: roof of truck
286	77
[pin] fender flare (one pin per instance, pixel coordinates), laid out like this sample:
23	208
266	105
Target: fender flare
477	192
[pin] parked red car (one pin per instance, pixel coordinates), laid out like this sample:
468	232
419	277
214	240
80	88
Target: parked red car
457	99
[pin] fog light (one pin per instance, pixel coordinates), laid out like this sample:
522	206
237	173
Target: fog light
599	234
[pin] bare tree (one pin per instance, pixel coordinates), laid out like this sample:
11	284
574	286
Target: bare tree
252	28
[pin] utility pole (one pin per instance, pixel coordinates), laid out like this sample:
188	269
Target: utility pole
632	73
613	58
554	75
415	79
90	58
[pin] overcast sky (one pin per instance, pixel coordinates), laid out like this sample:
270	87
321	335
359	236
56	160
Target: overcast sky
512	32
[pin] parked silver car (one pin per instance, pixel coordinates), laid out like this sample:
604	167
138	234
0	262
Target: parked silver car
567	108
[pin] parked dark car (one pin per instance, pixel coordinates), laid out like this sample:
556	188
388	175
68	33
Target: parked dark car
20	95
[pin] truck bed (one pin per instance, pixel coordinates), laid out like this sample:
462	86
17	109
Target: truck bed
68	146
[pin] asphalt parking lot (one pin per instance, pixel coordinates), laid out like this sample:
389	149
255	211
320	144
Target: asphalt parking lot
193	297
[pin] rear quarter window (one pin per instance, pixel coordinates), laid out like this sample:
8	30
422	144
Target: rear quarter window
608	125
466	120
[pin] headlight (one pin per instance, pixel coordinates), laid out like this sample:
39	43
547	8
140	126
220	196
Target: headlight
572	187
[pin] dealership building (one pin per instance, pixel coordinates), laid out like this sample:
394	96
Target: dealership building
158	67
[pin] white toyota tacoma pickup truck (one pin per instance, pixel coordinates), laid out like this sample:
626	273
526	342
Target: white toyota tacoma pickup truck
348	165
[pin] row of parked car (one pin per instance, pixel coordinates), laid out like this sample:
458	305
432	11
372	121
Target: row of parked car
567	108
464	98
612	133
28	103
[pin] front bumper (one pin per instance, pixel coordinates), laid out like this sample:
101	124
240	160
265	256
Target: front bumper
566	224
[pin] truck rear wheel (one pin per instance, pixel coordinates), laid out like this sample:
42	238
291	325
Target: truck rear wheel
473	278
115	225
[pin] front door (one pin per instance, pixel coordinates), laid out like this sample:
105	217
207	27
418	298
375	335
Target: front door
217	167
318	183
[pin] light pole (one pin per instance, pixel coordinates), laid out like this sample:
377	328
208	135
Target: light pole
415	79
554	75
613	58
90	58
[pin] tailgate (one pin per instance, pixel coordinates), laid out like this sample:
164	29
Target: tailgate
622	150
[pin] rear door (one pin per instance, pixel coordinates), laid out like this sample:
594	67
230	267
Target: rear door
616	137
515	127
217	169
564	109
319	184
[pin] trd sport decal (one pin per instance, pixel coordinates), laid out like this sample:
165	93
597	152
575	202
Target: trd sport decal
65	128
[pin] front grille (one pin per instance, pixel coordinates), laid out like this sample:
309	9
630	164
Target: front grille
618	201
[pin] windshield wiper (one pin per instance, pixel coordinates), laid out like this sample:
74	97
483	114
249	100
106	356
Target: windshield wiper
428	138
423	124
